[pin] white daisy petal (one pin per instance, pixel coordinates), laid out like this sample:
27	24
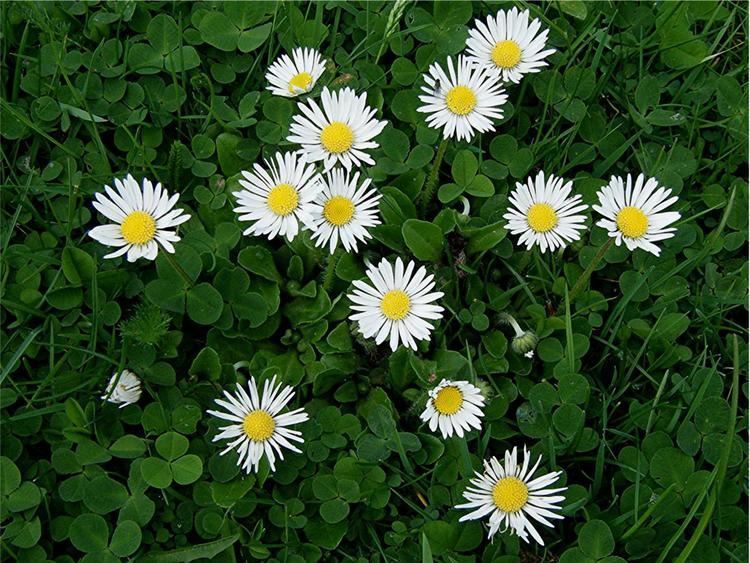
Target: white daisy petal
394	309
339	132
260	430
634	212
140	225
295	75
454	407
463	102
512	499
541	212
276	198
123	388
508	44
343	211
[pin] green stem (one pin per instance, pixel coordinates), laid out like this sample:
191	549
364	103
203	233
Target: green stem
178	268
330	270
583	280
463	448
721	468
432	179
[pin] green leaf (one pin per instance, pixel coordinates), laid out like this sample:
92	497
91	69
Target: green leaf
464	167
187	469
595	539
156	472
484	238
78	265
206	364
201	551
104	495
217	30
334	510
259	261
126	539
10	476
89	533
254	38
163	34
424	239
171	445
128	447
204	304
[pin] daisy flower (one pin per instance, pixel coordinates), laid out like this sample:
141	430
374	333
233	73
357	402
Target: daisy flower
462	102
509	44
398	304
123	388
344	210
634	214
295	75
276	198
512	498
340	132
543	214
143	216
455	407
257	427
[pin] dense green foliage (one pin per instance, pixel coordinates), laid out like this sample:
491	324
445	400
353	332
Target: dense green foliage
632	391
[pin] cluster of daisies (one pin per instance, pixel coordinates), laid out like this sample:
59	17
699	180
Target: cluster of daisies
318	188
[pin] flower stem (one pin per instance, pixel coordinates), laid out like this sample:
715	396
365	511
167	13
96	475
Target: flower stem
429	189
179	269
330	271
584	278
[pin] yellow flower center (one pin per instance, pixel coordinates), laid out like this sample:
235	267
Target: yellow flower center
506	54
259	426
541	217
460	100
395	304
138	228
337	137
632	222
448	400
283	199
338	210
300	81
510	494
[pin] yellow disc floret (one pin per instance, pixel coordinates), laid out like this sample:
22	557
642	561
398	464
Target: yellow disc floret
301	81
632	222
460	100
510	494
448	400
506	54
283	199
541	217
259	426
337	137
138	228
338	210
395	304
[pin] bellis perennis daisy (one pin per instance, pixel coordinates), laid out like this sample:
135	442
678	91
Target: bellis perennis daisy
123	389
634	213
340	132
344	211
462	102
512	499
509	44
276	198
257	428
396	307
543	214
454	407
290	77
143	218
